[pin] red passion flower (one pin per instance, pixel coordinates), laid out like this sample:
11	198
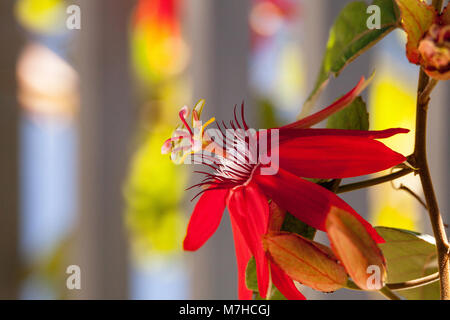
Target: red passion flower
243	182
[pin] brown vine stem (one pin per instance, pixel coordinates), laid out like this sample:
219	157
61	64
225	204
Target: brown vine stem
423	99
414	283
372	182
385	291
421	163
412	193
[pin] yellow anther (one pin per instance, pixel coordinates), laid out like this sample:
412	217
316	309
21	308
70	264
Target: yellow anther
183	158
206	124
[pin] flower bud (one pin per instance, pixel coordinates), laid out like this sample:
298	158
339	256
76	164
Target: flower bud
305	261
434	50
356	249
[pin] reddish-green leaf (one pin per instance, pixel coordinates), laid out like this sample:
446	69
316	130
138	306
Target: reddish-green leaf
353	245
417	17
349	38
305	261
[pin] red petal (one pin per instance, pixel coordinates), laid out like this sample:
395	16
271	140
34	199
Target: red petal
243	255
250	209
285	284
287	134
333	108
205	219
329	157
305	200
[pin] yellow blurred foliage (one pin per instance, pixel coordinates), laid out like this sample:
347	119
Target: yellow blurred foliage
155	185
392	102
41	16
393	105
291	77
153	192
392	216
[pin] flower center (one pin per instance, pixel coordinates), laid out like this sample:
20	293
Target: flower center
186	140
231	151
239	160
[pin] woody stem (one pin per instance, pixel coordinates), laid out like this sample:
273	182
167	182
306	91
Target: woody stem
372	182
421	163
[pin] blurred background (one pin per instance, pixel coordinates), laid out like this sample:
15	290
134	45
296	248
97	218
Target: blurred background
90	89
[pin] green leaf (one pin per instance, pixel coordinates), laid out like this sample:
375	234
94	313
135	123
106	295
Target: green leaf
410	255
268	117
250	275
276	294
294	225
354	117
349	37
252	283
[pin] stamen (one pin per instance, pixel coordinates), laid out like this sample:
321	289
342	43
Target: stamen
182	115
198	109
181	133
181	149
195	116
232	166
184	112
183	158
206	124
167	145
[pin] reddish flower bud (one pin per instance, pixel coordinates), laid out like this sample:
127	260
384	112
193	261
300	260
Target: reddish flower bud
356	249
435	52
428	37
305	261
